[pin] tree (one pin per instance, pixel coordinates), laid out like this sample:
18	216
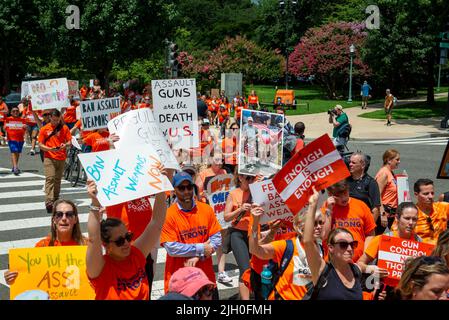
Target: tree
324	53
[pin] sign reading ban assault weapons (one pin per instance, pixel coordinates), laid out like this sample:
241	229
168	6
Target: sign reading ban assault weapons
125	174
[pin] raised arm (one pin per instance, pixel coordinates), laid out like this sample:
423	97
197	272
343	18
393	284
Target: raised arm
265	251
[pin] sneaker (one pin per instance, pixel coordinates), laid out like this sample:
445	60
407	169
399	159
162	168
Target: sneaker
32	152
16	171
224	278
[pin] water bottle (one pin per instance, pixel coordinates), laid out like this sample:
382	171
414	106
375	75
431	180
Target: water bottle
266	281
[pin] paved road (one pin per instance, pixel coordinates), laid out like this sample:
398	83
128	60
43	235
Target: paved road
23	219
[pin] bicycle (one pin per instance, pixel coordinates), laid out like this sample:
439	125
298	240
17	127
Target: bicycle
73	171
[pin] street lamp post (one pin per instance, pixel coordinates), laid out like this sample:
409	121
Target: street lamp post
351	53
287	7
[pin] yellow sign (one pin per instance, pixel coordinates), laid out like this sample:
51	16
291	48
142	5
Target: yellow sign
60	271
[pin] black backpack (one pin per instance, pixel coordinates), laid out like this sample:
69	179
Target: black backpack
345	131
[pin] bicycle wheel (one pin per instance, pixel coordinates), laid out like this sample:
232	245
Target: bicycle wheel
68	166
75	174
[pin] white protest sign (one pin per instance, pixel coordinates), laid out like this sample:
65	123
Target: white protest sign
75	143
403	188
95	114
73	88
174	106
49	94
24	89
138	128
125	174
264	194
217	201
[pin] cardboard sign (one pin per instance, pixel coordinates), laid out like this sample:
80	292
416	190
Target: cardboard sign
393	251
49	94
265	195
174	106
219	183
60	271
217	201
138	128
125	174
443	171
95	114
403	188
261	140
318	165
73	88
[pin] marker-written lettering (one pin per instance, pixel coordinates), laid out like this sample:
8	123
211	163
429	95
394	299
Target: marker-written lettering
113	185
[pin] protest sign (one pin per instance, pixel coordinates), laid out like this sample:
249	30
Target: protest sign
73	88
125	174
49	94
220	182
261	142
24	92
75	143
318	165
138	128
264	194
393	251
91	83
174	106
217	201
95	114
403	188
217	190
60	271
443	171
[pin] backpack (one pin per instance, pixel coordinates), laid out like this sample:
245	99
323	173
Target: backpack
345	131
276	270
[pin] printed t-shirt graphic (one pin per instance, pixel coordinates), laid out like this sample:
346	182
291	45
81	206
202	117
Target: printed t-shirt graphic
15	129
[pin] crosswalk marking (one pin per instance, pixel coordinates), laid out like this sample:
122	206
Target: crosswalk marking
435	141
19	207
33	222
40	193
27	183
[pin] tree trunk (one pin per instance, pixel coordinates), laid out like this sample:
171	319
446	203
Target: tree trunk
5	79
430	78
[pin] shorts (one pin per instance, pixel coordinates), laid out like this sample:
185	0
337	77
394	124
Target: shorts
388	111
32	127
15	146
365	98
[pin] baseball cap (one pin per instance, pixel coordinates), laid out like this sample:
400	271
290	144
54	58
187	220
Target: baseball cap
180	177
205	121
338	106
188	281
189	168
250	118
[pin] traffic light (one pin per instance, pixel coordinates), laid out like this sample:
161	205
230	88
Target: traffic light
172	58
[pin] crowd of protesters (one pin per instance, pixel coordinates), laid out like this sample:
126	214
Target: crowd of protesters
335	247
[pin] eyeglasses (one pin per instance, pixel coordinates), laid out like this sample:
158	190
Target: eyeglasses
205	291
234	128
319	222
344	245
183	188
46	115
121	241
68	214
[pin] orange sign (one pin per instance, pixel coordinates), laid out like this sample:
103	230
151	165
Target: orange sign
393	252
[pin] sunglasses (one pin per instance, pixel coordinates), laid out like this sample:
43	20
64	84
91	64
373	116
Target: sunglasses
429	221
234	128
121	241
183	188
319	222
46	115
344	245
68	214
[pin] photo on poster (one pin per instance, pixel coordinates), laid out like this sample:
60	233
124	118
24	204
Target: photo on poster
261	142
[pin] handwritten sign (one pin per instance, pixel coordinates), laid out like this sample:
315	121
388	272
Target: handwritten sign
138	128
319	164
73	88
175	109
393	252
95	114
59	271
219	183
217	201
125	174
49	94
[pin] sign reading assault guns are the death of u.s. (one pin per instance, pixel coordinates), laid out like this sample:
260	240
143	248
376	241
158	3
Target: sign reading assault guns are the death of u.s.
59	271
95	114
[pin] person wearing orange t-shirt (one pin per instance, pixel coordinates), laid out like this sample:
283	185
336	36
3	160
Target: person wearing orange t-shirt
349	213
253	101
3	114
119	274
223	119
15	127
191	232
53	139
65	231
70	113
294	282
98	140
229	148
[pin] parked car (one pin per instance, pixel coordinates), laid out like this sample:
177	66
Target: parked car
12	100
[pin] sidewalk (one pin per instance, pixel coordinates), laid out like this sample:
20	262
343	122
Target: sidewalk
317	124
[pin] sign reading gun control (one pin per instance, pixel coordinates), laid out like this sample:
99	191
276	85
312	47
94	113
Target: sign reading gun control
393	252
318	165
59	271
95	114
176	111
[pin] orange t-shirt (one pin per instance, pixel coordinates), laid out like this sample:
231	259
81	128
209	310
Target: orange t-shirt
191	227
238	197
122	280
292	284
97	140
222	115
83	92
70	114
390	194
299	146
373	247
3	111
63	136
135	214
357	218
238	111
253	99
15	129
46	243
229	145
84	133
439	216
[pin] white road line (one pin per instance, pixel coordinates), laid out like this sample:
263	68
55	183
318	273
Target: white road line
30	223
438	139
26	183
32	206
40	193
22	175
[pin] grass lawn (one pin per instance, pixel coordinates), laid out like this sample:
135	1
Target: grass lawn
412	111
318	102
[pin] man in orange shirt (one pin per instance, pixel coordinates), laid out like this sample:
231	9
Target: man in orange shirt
432	216
343	211
191	232
15	131
53	139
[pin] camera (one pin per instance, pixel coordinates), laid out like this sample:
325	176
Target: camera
331	111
